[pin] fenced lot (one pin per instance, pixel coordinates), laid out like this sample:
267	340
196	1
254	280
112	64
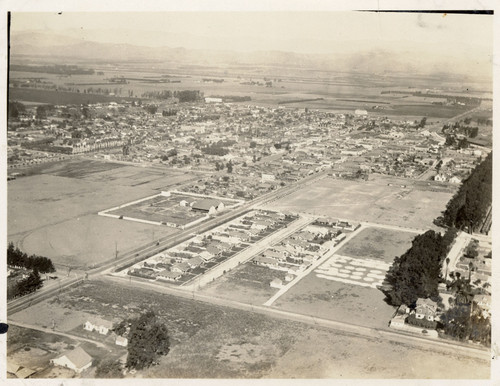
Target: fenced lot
378	200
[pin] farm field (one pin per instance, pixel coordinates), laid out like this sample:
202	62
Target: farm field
412	206
209	341
337	93
54	213
249	283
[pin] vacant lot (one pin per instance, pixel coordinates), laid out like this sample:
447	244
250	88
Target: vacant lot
248	283
54	212
217	342
335	300
378	243
412	206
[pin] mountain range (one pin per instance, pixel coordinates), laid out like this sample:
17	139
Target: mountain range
430	59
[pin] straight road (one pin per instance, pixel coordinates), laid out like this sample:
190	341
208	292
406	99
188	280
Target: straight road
151	249
451	348
312	267
247	254
456	251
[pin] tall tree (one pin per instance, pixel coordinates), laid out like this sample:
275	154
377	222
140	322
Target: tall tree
148	340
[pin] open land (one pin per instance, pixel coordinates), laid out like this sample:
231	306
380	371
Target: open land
211	341
66	201
378	243
248	283
381	199
344	288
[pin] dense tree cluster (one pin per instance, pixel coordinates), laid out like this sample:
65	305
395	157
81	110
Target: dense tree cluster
147	340
416	273
17	258
181	95
469	206
218	148
25	286
15	108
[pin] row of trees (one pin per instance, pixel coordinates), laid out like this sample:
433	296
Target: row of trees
417	273
17	258
469	206
181	95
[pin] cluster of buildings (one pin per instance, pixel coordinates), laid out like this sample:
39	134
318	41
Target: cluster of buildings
195	256
297	252
270	146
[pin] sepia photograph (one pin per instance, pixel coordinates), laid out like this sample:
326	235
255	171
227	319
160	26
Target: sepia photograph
272	193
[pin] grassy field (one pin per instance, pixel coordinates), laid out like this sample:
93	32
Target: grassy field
248	283
373	201
378	243
54	213
217	342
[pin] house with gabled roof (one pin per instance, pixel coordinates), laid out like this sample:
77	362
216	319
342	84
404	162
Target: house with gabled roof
426	309
100	325
77	360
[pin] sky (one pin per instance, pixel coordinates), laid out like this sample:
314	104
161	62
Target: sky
304	32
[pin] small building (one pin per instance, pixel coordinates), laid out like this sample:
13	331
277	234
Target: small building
276	283
455	180
101	326
289	277
169	275
440	178
426	309
121	341
208	205
76	360
265	261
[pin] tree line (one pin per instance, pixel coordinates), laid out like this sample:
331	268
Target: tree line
17	258
417	273
469	206
181	95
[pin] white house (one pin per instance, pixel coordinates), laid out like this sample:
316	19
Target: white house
440	178
101	326
76	360
276	283
121	341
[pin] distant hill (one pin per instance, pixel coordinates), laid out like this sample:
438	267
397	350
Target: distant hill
61	48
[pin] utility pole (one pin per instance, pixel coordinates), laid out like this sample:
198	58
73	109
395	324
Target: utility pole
116	250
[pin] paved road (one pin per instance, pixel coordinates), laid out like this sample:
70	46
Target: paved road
451	348
456	251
